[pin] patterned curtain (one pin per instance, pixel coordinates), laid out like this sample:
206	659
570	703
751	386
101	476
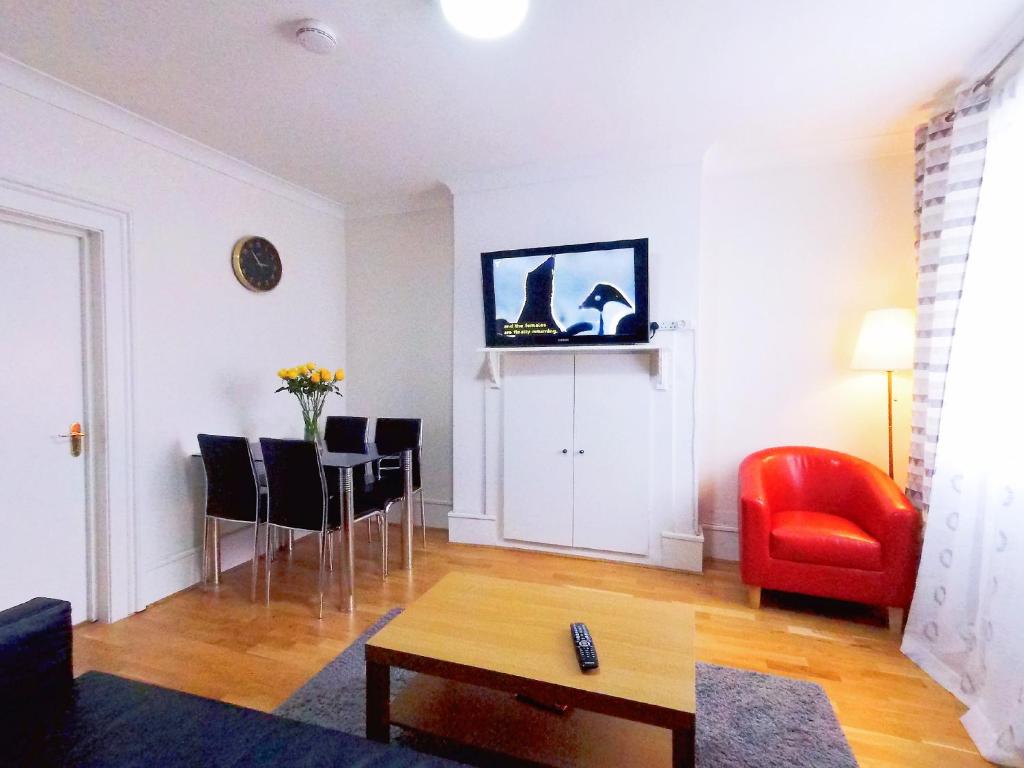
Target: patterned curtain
950	151
966	626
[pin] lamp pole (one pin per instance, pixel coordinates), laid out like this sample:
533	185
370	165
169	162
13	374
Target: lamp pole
888	377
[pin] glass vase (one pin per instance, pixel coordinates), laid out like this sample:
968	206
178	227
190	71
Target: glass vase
311	429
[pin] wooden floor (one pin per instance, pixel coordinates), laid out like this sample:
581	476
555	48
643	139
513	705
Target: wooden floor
214	642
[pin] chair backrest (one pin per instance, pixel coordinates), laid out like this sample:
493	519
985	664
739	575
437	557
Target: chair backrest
806	478
345	434
232	489
296	485
391	435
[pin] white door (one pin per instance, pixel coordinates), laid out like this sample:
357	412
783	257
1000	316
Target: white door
537	447
612	460
42	486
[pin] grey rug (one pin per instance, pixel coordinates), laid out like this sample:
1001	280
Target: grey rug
744	719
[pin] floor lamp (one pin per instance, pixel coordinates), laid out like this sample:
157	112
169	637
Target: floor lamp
886	343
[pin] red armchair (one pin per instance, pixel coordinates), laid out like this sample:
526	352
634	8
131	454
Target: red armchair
825	523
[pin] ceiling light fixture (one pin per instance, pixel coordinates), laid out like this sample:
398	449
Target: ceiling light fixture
316	36
485	19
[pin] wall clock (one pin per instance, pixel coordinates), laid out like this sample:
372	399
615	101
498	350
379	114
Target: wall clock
257	263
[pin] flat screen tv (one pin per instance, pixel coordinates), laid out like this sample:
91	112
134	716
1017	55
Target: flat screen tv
594	293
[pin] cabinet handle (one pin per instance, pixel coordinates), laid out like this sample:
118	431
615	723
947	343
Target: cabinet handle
581	451
565	450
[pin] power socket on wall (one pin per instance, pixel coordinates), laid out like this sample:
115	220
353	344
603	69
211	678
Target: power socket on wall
673	325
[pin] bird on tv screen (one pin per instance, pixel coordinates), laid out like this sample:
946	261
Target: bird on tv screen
582	294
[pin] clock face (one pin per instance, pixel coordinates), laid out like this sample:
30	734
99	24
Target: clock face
257	263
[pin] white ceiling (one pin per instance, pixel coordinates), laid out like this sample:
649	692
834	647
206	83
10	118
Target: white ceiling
405	102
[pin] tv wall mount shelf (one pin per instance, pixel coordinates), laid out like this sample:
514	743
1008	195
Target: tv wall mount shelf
661	359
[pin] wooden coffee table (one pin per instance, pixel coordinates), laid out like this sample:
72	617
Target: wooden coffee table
478	641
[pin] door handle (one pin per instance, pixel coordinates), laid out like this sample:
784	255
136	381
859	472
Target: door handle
581	451
565	450
76	434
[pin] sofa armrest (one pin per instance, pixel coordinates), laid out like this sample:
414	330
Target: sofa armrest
35	658
755	517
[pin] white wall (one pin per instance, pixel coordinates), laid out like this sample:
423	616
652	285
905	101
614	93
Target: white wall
662	205
400	333
205	348
793	255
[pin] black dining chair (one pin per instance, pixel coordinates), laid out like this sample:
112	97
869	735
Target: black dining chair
300	498
233	494
345	434
391	436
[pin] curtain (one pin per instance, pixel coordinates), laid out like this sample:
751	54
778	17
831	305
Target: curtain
950	158
966	626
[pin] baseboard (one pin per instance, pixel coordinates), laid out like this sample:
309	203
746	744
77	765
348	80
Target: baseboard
436	513
466	528
173	574
184	569
682	551
723	541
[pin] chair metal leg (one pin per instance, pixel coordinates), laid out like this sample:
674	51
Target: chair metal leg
423	519
255	558
323	553
291	542
381	523
270	535
369	530
330	552
204	565
216	551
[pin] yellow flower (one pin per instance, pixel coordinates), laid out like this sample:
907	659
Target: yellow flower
325	375
339	374
293	373
315	378
281	373
311	366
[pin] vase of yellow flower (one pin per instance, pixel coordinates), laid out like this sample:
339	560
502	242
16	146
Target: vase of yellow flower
311	386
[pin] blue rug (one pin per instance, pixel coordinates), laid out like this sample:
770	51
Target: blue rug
744	719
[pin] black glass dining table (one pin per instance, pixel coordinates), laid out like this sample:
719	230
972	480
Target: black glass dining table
346	463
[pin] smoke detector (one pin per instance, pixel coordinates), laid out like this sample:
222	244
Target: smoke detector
315	36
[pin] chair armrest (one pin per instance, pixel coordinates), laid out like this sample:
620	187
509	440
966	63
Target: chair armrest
898	523
755	517
35	657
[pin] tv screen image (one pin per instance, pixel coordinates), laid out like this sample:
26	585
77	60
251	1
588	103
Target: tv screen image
595	293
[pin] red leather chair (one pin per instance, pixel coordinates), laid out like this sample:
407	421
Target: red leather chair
825	523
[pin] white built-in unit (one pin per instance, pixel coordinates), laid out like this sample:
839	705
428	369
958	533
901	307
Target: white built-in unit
583	456
575	450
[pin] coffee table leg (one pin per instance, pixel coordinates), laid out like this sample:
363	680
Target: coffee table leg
684	748
378	702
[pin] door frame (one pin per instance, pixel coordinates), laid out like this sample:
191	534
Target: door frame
104	229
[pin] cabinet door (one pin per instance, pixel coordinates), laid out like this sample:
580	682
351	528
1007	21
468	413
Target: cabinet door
612	433
537	394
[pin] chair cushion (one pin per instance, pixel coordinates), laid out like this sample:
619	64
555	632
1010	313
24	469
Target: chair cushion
819	538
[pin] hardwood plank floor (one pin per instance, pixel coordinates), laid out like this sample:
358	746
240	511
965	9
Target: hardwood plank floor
214	642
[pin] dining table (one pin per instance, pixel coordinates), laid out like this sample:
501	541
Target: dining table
346	464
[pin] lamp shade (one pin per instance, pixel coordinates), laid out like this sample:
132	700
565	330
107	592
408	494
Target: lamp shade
886	341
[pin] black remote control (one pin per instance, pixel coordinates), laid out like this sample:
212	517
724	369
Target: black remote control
586	654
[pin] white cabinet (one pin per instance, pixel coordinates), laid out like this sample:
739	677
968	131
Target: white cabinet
576	450
538	458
